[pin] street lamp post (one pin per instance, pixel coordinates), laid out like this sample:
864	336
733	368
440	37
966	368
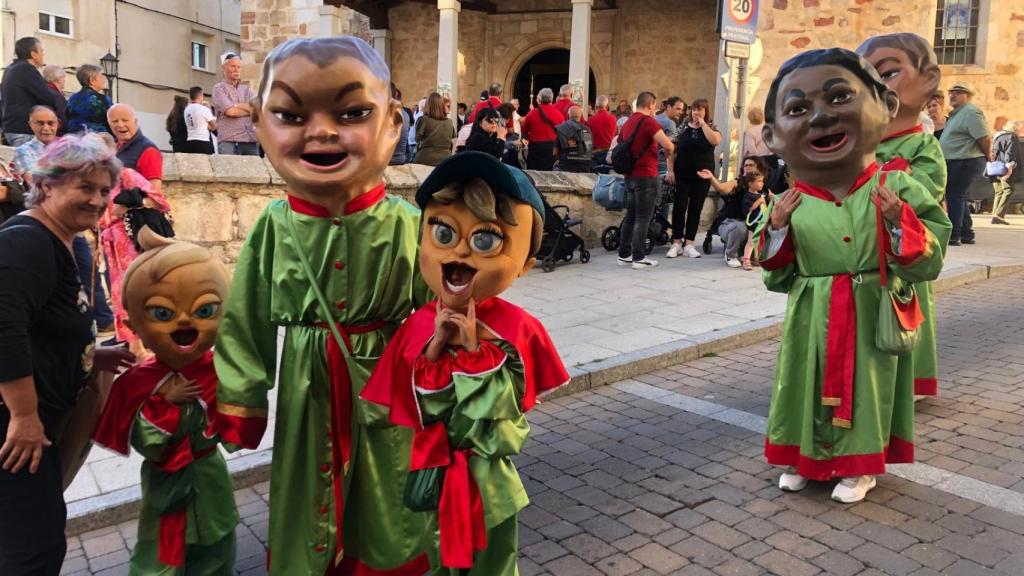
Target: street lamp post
109	63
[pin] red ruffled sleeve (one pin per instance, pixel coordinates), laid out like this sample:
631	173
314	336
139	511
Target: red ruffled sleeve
916	242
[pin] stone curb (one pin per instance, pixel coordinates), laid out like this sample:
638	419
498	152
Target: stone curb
122	505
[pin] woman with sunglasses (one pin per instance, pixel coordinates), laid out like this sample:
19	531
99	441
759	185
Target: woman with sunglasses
488	134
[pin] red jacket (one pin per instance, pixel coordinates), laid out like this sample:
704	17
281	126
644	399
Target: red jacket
493	100
602	127
535	129
563	105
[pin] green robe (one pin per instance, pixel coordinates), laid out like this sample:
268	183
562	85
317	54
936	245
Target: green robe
366	264
211	516
924	157
832	241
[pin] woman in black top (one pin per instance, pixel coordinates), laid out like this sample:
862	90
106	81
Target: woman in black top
488	133
176	125
46	344
695	151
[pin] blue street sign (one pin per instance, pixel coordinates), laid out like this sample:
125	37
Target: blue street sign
738	20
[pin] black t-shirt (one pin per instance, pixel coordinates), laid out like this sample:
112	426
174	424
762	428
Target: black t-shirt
732	204
693	153
46	326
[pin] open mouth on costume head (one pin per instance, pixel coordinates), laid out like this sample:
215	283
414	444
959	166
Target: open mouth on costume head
457	277
185	338
324	159
830	143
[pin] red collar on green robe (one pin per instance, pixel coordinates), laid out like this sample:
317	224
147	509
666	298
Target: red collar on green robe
822	194
357	204
132	389
913	130
391	383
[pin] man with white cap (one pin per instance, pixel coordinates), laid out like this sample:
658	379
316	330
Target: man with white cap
235	133
967	145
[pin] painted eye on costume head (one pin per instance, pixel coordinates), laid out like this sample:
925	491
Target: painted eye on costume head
795	110
356	114
160	314
287	117
843	97
207	311
485	242
444	235
890	74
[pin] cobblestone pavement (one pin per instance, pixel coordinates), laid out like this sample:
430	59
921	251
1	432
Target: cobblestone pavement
672	481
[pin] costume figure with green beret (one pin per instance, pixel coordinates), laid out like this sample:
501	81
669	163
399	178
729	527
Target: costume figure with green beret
841	407
907	64
463	370
333	269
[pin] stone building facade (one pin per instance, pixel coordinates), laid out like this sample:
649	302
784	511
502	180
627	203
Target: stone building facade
667	46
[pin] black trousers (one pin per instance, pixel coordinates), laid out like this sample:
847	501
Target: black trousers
541	156
32	519
198	147
687	206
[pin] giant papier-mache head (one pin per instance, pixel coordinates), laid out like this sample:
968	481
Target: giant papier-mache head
907	65
481	228
174	293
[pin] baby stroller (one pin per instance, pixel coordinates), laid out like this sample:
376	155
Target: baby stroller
776	182
657	232
559	242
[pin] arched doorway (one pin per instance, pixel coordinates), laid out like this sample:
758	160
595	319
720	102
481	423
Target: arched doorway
546	69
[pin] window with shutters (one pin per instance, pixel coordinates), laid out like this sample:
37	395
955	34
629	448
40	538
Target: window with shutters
56	17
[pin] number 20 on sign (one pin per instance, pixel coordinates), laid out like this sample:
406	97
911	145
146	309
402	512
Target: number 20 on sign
738	20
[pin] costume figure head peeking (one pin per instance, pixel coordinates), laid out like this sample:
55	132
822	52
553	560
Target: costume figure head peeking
825	113
174	293
907	65
481	228
325	116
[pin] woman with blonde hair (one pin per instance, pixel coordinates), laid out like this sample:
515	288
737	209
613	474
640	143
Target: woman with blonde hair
753	143
434	133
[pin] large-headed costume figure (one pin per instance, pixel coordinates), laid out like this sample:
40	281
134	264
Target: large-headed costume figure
907	65
334	268
464	369
841	408
173	294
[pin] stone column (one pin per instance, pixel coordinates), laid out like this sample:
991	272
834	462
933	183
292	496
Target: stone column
382	44
331	23
579	51
448	51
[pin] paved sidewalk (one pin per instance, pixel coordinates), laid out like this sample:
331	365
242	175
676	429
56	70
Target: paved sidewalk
663	474
599	315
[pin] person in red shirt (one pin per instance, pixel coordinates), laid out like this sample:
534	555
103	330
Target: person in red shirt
642	181
602	128
539	131
564	101
493	101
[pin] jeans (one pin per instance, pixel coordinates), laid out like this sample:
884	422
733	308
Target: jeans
960	175
641	194
600	159
15	140
83	258
734	233
238	148
687	206
198	147
1003	190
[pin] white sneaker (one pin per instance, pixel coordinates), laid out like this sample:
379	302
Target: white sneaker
645	264
624	261
790	481
674	251
691	252
732	263
853	489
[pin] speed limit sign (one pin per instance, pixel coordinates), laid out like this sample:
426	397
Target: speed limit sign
737	20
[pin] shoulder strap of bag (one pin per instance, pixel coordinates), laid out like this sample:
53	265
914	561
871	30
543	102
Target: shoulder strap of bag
540	110
325	309
880	228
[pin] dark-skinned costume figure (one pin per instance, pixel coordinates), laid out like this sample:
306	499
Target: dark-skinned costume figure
335	266
173	294
840	407
463	370
907	64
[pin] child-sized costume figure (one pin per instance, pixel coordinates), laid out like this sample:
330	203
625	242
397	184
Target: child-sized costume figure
464	369
173	294
335	267
908	66
841	408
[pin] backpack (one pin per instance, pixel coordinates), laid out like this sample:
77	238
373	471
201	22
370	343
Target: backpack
580	147
622	156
